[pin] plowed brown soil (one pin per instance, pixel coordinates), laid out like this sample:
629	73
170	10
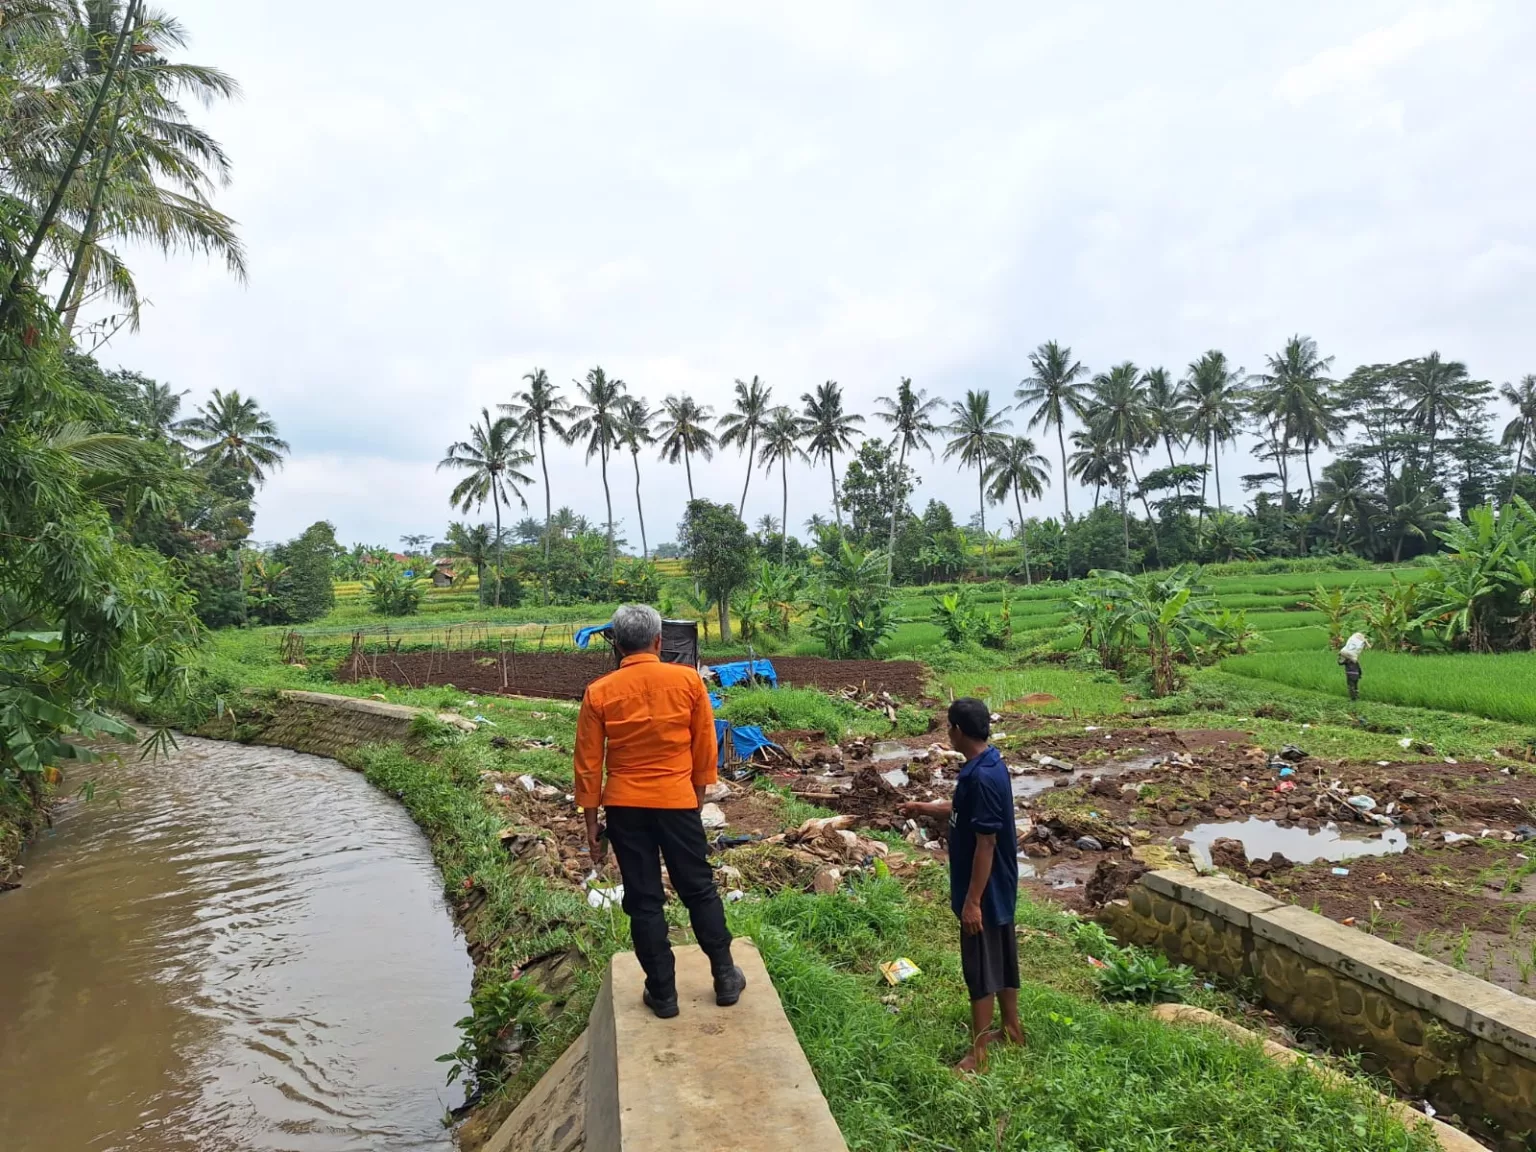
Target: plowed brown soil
565	675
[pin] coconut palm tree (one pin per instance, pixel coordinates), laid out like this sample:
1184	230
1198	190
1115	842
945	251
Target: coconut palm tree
1293	397
143	171
828	431
1166	415
1055	388
1437	391
1020	470
977	434
492	459
1095	462
1213	398
910	417
597	421
1346	493
1522	428
158	409
635	433
741	425
237	434
781	439
540	411
684	432
1118	413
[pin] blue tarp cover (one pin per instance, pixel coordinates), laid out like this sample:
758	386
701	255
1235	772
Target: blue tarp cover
584	636
745	739
737	673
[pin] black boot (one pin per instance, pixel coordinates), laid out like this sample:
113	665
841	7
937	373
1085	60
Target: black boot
729	986
665	1007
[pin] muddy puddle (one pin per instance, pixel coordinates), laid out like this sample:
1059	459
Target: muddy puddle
1041	779
243	948
1262	838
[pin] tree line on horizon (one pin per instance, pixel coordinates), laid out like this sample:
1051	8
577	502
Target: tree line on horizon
1413	440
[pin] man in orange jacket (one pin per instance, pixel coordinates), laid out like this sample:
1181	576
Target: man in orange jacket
653	725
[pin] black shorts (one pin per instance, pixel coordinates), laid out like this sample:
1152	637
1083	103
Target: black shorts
989	960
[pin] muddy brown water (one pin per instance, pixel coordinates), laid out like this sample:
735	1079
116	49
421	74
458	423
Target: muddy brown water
243	948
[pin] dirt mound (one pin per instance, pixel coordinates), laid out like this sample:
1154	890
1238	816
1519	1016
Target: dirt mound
1111	879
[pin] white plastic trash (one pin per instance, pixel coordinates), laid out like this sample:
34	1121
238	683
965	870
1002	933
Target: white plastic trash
712	816
606	897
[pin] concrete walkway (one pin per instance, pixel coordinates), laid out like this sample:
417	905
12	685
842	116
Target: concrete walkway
711	1080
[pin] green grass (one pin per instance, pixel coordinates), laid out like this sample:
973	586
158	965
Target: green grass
1501	687
1093	1076
1295	640
1276	621
774	708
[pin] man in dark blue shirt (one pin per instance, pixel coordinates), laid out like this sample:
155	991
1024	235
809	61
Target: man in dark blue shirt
983	876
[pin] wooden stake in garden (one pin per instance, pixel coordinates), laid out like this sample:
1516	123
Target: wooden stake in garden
503	646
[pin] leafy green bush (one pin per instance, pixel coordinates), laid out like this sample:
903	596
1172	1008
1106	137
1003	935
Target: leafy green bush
964	623
391	592
854	606
1142	977
503	1013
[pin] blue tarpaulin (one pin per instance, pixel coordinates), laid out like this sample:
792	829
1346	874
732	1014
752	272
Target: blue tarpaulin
744	739
739	672
584	636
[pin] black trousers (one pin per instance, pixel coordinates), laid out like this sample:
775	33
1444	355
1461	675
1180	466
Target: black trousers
641	838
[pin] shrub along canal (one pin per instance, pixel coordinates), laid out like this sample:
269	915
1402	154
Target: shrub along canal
238	948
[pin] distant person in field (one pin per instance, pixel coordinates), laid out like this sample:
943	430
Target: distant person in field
983	877
1349	656
651	725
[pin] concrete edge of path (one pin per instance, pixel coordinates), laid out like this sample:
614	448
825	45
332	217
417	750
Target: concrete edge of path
1449	1138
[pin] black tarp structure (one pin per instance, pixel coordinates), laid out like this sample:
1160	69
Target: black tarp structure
679	642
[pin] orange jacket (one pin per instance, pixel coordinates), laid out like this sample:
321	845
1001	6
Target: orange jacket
659	730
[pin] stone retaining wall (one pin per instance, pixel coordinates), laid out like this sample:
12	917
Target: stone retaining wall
323	724
1467	1046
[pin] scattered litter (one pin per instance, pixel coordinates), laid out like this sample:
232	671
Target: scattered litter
1095	962
1405	742
899	971
1458	837
1341	871
735	896
1348	921
501	789
1045	761
528	782
719	790
479	719
1362	803
1285	786
1089	844
1090	727
1524	832
1383	763
1429	1110
896	777
712	817
605	897
996	716
1292	753
1287	771
1450	759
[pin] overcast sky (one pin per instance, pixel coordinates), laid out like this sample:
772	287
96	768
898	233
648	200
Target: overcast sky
438	200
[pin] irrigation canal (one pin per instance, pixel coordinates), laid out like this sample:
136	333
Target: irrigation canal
238	948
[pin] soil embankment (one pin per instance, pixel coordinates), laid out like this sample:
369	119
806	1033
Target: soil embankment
565	675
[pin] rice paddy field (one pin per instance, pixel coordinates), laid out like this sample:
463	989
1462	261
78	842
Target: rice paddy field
1501	687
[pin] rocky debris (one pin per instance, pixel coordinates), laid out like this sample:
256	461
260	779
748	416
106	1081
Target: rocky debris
1112	879
1229	853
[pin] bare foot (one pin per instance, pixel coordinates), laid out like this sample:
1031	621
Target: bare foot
975	1060
1016	1035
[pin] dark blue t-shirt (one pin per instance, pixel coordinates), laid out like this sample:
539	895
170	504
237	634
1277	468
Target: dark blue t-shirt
984	805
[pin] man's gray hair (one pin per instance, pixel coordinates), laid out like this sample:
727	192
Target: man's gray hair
635	627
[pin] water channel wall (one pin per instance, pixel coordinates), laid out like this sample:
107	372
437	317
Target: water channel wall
1467	1046
323	724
